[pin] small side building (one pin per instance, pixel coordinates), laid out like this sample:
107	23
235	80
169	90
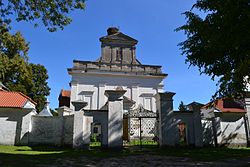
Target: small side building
64	98
16	110
225	123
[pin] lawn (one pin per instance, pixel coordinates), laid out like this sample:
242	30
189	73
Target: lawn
37	156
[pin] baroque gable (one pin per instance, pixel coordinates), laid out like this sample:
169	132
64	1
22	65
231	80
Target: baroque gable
116	67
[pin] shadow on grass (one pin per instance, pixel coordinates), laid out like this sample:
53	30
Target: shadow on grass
60	159
12	156
46	156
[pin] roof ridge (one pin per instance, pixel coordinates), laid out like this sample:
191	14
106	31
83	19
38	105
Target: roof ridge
65	93
27	97
14	99
219	105
119	34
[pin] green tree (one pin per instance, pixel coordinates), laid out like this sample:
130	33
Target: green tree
52	13
182	107
218	44
40	88
17	73
15	70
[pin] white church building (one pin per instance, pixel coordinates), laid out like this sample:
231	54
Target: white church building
117	69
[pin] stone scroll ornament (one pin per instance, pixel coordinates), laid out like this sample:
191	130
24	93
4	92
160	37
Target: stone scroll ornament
141	112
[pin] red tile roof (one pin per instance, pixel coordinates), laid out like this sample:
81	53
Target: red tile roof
65	93
227	105
13	99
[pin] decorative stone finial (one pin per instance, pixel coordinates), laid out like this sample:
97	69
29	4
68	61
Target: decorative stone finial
46	109
112	30
119	88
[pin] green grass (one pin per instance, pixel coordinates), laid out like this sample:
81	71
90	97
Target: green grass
11	156
95	144
43	155
25	150
143	143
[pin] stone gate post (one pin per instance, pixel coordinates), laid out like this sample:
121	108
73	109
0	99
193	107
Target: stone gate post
195	107
78	130
164	104
81	127
247	117
115	117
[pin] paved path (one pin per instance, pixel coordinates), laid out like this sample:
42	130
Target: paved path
154	160
146	161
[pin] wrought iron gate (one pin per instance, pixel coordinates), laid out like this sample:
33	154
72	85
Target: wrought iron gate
143	126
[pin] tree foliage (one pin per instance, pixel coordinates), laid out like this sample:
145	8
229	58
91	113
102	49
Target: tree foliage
218	44
40	87
52	13
17	73
182	107
15	70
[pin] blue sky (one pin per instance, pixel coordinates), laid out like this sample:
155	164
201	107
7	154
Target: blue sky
152	23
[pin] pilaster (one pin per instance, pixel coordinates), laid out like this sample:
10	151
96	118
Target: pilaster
101	97
135	94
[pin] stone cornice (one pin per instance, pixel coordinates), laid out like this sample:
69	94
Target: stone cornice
80	62
120	69
115	74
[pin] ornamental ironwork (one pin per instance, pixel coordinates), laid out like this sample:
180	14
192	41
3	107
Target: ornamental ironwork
144	127
141	112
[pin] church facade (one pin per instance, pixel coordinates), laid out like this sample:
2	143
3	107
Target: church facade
117	69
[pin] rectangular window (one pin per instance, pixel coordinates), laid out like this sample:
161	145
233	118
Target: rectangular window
147	103
86	96
88	99
119	54
95	130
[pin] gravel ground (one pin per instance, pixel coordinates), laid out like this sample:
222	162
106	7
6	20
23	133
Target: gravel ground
146	161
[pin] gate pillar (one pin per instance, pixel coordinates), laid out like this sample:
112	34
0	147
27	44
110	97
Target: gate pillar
81	126
195	107
247	117
164	104
115	118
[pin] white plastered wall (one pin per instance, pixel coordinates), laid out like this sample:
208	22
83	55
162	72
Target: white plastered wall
15	126
137	87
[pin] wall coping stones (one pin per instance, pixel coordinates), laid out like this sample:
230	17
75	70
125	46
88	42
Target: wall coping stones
166	96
